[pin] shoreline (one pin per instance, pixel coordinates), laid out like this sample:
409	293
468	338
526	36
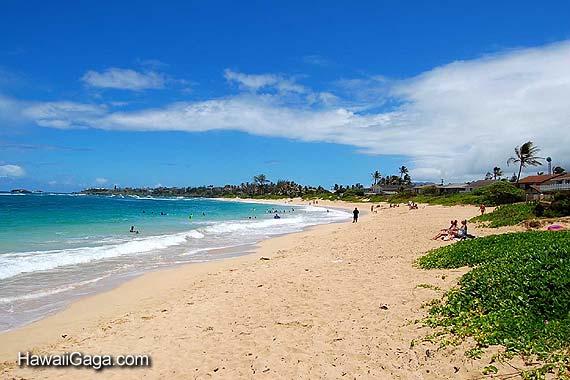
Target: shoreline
113	284
319	293
213	254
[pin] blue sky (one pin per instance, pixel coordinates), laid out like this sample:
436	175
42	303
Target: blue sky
194	93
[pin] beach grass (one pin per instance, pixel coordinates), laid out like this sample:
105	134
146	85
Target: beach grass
517	295
507	215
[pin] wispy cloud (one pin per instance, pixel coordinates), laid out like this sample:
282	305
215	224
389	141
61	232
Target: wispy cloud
63	114
124	79
454	122
32	147
101	180
317	60
11	171
263	81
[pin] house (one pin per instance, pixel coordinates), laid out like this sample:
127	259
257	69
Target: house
373	190
480	183
454	188
558	183
532	185
534	182
430	188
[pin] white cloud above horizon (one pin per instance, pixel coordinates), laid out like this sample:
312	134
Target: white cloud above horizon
455	121
256	82
124	79
101	180
11	171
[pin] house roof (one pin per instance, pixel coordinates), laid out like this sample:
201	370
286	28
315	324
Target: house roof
538	179
427	185
455	186
481	183
536	189
558	177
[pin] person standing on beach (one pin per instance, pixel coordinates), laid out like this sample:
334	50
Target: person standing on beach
355	215
482	208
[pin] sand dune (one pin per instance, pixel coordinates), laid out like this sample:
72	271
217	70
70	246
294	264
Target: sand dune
335	302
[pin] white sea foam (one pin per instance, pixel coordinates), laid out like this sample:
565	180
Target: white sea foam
49	292
12	264
228	233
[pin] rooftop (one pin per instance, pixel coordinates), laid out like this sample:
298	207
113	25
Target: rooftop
538	179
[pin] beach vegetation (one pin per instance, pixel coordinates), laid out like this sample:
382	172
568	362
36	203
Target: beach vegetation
500	192
516	296
512	214
507	215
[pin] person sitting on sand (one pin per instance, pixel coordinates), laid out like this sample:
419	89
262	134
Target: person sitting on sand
446	232
461	233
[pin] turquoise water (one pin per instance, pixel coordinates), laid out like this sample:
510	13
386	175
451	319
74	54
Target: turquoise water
57	247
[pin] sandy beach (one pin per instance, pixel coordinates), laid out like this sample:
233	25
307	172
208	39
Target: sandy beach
337	301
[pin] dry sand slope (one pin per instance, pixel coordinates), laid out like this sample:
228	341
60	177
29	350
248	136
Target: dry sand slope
313	311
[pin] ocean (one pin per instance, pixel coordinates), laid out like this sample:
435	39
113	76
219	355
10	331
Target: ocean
55	248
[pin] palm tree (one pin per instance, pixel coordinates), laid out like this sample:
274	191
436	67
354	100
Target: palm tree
260	180
497	172
376	176
525	156
403	170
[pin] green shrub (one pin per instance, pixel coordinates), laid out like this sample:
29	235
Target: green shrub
500	192
559	207
508	215
517	295
430	190
353	192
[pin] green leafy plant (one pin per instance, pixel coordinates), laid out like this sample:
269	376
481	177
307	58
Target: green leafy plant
507	215
517	295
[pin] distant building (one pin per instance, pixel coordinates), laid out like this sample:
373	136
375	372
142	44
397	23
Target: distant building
480	183
559	183
455	188
533	185
422	189
534	182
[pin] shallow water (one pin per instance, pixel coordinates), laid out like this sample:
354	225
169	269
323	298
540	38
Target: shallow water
57	247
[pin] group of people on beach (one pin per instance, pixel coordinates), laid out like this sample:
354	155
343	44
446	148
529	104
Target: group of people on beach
454	232
412	205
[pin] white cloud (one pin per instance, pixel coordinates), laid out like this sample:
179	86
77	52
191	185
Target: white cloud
454	122
11	171
63	114
101	181
263	81
124	79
